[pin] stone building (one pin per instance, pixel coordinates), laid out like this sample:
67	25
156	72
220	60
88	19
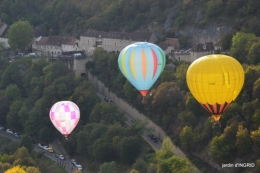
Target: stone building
112	41
54	45
201	49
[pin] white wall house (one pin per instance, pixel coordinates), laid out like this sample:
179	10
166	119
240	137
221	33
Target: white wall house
54	45
112	41
201	49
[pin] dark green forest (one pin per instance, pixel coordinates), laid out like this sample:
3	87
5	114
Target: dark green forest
73	17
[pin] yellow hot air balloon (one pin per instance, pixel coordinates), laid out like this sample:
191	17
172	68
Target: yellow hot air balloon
215	81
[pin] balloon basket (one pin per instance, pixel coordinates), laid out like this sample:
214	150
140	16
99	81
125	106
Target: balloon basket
217	124
144	100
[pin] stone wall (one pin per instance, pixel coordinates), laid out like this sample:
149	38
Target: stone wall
79	65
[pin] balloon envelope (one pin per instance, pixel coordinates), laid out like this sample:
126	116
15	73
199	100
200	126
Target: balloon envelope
142	63
215	81
65	116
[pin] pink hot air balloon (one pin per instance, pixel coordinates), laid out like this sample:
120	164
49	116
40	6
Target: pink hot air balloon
65	116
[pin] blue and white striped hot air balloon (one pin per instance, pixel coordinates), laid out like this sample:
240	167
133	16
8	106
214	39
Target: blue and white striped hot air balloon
142	63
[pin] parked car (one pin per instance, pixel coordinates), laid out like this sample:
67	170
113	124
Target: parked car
151	136
154	139
9	131
45	148
50	149
57	155
61	157
17	135
40	145
107	99
2	128
78	166
73	161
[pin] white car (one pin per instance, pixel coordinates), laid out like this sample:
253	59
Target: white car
61	157
78	166
45	147
2	128
40	145
17	135
73	161
9	131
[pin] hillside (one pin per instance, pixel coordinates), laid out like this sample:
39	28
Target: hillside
192	21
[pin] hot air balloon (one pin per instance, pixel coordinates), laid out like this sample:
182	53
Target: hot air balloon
215	81
65	116
142	63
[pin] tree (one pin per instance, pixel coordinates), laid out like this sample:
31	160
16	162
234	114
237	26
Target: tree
243	141
130	91
167	95
134	171
106	113
187	118
103	150
31	169
4	166
130	148
256	89
26	142
255	136
168	162
12	117
16	169
108	167
140	166
186	137
12	92
219	149
20	35
253	52
241	42
180	75
214	8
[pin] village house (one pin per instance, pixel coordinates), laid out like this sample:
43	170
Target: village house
3	34
166	47
200	50
169	45
195	52
54	45
112	41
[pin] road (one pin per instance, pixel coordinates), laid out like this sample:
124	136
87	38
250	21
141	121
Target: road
66	164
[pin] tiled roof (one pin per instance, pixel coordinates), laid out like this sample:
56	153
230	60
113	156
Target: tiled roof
3	29
203	47
164	45
42	41
57	41
1	24
136	36
171	41
5	33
